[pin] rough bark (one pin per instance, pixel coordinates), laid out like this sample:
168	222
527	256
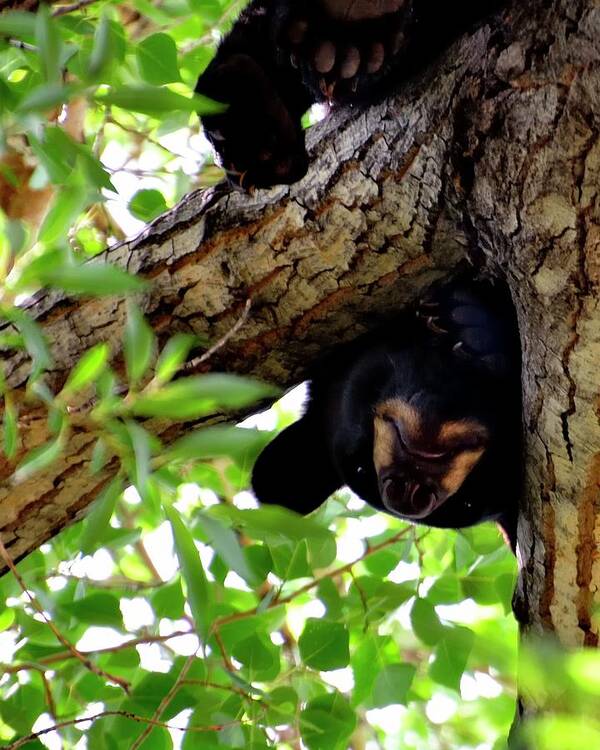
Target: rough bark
493	154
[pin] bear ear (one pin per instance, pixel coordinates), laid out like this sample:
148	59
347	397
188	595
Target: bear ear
295	470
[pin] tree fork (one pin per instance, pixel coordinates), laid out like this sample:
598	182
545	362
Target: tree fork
493	153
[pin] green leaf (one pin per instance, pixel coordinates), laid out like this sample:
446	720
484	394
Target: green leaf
155	101
56	153
157	58
450	657
198	590
327	723
505	588
21	708
561	732
168	600
66	207
381	597
392	685
94	279
88	369
239	443
18	24
94	172
226	544
7	618
259	656
34	339
290	560
274	525
45	97
147	204
39	458
483	538
173	355
193	397
328	593
425	622
324	645
445	590
383	562
138	344
210	10
98	520
140	442
366	663
10	428
481	582
282	705
49	43
151	689
95	609
102	49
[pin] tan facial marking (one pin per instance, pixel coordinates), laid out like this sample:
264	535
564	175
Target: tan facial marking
462	429
459	469
384	438
464	462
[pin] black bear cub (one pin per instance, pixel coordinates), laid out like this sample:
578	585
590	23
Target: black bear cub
421	419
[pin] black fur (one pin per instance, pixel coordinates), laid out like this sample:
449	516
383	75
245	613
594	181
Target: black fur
267	72
456	356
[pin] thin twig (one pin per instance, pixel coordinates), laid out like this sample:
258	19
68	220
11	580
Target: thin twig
165	702
104	714
64	9
57	634
18	44
224	655
46	661
49	697
193	364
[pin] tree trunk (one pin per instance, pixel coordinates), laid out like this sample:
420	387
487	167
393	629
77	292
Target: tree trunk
493	154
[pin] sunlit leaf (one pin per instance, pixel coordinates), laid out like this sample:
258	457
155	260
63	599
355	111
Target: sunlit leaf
154	100
35	341
138	344
88	368
241	444
198	590
49	43
10	430
39	458
140	442
157	58
98	519
425	622
450	657
392	685
173	355
67	206
46	97
97	609
324	645
227	546
147	204
17	24
193	397
259	656
102	49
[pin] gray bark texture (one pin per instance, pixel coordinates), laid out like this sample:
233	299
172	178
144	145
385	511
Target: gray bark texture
493	154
